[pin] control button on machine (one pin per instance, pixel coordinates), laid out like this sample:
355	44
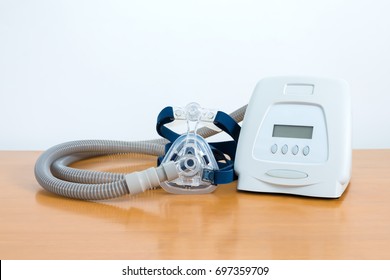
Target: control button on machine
295	150
306	150
286	174
274	148
284	149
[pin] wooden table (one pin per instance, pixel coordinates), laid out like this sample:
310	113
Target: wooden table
227	224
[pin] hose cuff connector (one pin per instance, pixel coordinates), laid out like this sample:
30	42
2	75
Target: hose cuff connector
138	182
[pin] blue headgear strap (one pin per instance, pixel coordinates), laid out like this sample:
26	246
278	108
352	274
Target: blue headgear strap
225	174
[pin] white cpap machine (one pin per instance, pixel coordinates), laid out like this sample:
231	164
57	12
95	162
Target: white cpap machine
295	139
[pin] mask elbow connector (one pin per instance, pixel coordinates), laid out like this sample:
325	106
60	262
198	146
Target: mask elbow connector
138	182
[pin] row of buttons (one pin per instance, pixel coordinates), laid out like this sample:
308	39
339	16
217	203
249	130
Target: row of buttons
294	150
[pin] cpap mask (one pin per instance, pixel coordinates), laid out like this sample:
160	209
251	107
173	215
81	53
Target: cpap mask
187	164
200	166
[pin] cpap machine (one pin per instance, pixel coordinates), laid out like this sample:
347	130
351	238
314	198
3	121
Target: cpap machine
295	139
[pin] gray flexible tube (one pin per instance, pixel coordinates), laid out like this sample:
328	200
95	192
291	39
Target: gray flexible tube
53	173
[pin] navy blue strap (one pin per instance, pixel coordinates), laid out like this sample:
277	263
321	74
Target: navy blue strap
222	121
227	124
228	148
166	116
224	175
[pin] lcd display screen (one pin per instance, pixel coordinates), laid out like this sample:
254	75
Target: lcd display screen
292	131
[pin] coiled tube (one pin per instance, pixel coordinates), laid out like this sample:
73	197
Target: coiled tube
53	173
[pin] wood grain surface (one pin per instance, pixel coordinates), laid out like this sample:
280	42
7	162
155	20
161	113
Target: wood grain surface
227	224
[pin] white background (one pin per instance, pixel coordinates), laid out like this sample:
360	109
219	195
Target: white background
91	69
